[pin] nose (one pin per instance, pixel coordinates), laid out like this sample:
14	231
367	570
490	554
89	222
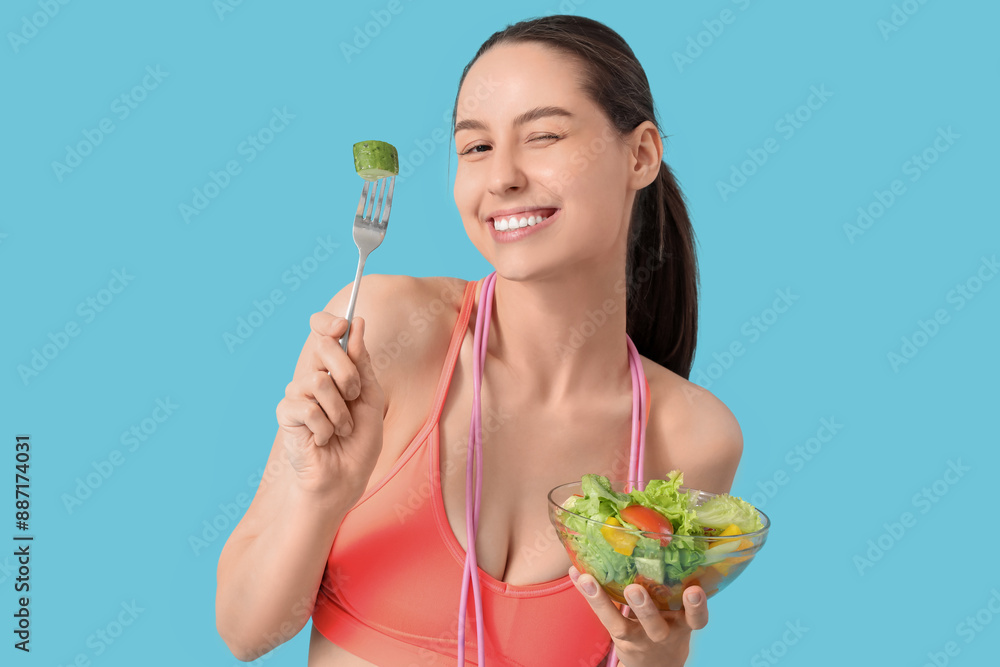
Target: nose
505	172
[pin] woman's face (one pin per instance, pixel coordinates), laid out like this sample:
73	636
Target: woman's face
564	158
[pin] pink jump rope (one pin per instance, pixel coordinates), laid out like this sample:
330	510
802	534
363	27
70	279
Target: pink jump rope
635	470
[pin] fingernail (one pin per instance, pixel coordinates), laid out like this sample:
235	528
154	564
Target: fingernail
635	598
589	587
694	598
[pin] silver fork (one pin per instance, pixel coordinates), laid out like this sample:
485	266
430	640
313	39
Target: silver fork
369	230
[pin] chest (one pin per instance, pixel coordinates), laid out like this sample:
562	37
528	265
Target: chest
527	451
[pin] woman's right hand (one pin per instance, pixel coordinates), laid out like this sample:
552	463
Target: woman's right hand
331	417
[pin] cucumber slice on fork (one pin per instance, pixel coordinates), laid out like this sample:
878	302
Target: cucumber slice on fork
375	159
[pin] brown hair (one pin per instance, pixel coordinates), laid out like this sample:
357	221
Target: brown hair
661	265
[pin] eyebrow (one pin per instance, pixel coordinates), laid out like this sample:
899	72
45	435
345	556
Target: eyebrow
526	117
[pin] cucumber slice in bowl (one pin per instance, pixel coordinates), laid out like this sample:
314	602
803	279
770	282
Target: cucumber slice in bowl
375	159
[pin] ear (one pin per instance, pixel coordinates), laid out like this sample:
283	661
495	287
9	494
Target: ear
646	148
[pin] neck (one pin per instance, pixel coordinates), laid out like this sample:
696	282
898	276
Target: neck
560	337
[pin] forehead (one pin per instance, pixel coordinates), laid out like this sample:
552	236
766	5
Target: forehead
512	76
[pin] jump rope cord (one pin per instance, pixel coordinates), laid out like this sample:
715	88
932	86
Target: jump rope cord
638	445
636	451
475	452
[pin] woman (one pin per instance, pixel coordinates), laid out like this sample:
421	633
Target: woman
554	122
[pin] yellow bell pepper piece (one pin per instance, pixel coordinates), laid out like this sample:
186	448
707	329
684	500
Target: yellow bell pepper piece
622	542
723	566
731	529
743	546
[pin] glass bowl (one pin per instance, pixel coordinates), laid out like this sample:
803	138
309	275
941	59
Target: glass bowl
664	571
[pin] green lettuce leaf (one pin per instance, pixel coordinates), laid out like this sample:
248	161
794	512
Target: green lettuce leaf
665	497
720	511
600	487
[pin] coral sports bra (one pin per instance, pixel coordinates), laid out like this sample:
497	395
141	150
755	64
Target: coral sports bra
394	577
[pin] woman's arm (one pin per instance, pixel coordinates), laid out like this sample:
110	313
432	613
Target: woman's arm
328	443
271	567
705	442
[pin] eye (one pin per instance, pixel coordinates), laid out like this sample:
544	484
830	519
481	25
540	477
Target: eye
472	149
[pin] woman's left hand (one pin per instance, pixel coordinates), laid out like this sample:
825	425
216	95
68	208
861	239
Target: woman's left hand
653	638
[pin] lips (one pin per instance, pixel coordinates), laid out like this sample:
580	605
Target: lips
518	233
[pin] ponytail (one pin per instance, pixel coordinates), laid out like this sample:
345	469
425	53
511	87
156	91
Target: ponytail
662	276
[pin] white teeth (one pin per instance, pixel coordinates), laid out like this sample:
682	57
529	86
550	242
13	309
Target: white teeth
503	224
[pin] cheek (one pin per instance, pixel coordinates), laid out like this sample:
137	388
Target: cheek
588	182
588	169
467	201
464	191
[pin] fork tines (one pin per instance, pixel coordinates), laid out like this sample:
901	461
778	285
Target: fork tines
379	193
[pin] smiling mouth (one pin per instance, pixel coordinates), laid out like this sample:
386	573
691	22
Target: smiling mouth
522	219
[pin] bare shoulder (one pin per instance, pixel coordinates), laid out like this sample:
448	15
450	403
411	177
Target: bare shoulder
404	317
691	430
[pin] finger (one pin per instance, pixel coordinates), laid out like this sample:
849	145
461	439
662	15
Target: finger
320	388
656	627
292	412
345	374
695	607
327	324
610	616
364	367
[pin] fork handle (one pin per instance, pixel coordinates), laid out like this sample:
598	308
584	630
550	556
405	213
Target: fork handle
354	298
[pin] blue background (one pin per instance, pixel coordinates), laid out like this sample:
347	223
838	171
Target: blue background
827	357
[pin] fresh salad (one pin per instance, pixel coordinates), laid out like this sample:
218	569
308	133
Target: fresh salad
661	559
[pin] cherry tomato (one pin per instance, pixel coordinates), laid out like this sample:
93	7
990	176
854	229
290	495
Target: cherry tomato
648	519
